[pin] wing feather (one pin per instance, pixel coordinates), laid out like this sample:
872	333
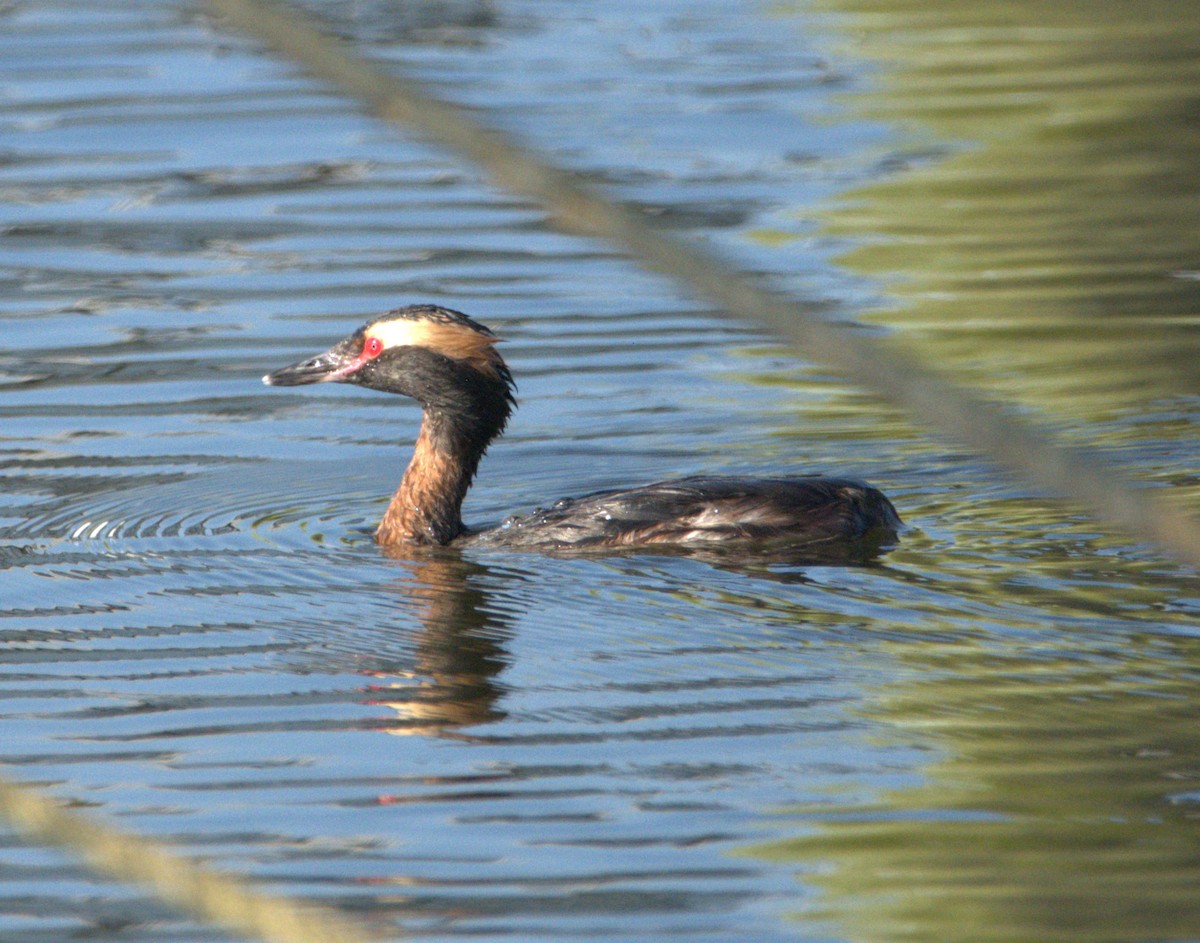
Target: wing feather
705	510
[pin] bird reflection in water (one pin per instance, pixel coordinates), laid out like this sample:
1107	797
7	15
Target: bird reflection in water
459	652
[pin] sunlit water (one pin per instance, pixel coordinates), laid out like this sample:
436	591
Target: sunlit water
991	733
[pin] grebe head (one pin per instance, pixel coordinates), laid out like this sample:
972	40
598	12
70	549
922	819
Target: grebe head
399	352
441	358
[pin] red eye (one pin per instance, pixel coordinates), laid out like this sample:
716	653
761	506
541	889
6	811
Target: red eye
373	347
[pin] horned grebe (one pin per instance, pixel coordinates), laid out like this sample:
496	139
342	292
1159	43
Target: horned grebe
449	364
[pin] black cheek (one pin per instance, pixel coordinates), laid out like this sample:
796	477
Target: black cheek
388	373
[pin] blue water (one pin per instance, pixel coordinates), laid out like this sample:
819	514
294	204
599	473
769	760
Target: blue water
202	642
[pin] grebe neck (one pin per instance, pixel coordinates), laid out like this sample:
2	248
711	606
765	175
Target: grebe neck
427	507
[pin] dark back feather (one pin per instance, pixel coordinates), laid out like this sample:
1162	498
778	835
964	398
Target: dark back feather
704	510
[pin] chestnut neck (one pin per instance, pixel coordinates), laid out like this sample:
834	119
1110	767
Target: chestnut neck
427	507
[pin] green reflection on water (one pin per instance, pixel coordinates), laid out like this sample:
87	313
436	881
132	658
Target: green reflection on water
1051	257
1057	813
1043	245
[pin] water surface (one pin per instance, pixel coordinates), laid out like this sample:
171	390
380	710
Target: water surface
987	734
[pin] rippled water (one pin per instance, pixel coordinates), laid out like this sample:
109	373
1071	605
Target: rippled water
989	734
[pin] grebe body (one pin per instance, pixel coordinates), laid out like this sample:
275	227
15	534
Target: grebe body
448	363
704	511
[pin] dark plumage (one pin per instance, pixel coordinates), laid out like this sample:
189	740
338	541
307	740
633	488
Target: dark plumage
705	510
449	364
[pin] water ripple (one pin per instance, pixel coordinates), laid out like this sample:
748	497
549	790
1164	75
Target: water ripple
203	642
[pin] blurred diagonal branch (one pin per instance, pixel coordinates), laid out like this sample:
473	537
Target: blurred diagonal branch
1077	474
220	899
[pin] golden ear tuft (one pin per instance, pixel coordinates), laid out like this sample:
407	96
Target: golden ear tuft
450	339
462	343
